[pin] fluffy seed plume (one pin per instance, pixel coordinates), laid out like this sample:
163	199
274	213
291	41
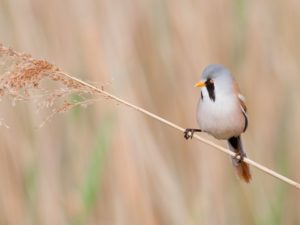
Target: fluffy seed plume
23	77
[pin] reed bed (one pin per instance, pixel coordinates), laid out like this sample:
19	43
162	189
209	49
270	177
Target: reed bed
107	164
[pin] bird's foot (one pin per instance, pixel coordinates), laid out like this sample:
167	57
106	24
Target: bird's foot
239	157
189	133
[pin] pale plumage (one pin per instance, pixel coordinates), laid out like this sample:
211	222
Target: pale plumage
221	112
222	118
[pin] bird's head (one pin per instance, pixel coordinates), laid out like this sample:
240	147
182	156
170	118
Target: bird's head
215	78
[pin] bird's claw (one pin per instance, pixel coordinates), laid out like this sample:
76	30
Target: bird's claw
239	157
188	133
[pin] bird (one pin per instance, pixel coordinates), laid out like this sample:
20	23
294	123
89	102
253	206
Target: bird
222	113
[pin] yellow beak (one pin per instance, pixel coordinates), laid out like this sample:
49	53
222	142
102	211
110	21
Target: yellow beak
200	84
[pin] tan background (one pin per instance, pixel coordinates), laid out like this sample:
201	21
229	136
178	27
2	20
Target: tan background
107	164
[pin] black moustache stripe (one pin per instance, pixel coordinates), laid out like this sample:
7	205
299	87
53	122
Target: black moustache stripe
210	89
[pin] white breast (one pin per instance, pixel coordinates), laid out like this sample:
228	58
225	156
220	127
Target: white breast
221	118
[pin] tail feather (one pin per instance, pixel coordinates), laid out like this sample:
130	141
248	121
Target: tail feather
242	168
243	172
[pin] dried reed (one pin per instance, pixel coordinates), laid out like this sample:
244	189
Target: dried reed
20	75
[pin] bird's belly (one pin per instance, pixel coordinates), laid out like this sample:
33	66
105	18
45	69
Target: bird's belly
220	119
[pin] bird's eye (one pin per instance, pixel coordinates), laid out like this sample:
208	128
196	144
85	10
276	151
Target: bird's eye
209	82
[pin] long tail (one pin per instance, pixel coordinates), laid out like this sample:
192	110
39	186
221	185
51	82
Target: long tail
242	168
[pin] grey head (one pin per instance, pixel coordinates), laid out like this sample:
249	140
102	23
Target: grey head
214	71
216	79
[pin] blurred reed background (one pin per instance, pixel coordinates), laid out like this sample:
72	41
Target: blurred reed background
107	164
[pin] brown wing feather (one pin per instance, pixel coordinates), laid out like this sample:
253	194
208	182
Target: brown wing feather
242	103
241	100
240	96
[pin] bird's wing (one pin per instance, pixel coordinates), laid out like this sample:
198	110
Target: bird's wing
240	97
244	110
242	103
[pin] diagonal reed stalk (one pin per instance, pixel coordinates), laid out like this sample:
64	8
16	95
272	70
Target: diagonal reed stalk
198	138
